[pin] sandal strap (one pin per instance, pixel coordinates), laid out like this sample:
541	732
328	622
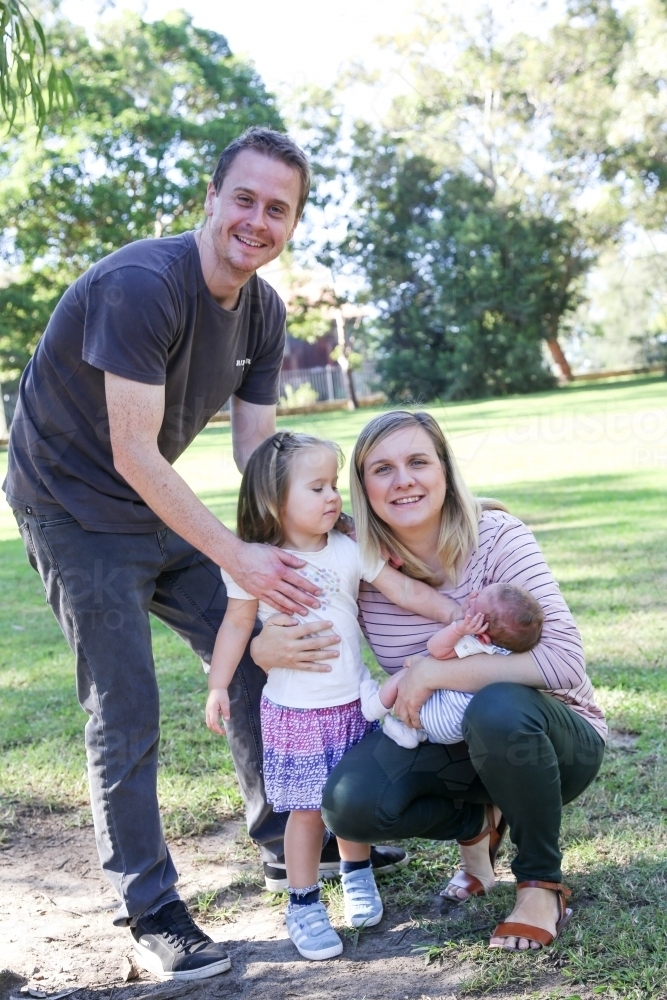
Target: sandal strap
480	836
563	891
494	846
463	880
490	830
537	884
512	929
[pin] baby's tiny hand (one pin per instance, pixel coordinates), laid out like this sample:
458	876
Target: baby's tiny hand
472	624
216	706
465	604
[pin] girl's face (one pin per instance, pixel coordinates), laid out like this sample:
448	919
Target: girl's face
405	481
313	503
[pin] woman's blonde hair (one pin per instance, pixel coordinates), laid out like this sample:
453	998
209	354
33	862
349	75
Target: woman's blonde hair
265	484
461	511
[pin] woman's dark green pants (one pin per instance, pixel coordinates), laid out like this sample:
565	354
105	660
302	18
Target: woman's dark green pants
523	750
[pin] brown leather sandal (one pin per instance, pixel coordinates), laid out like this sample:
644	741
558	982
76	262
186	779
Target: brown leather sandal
512	929
462	879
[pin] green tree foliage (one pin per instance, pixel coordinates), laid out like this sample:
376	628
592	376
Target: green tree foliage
514	111
467	288
157	104
30	82
605	68
24	310
497	109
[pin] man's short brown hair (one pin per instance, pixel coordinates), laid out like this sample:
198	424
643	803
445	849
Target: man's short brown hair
270	143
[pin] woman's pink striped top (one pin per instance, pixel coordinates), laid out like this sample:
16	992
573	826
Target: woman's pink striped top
507	553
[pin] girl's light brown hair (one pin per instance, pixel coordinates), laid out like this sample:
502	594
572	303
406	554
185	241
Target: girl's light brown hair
459	535
265	484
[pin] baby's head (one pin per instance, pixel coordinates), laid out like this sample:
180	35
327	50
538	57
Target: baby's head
514	616
289	477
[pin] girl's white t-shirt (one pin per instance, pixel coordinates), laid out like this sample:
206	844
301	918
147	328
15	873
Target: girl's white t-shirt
336	570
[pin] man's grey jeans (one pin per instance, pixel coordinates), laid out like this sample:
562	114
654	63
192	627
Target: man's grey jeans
101	587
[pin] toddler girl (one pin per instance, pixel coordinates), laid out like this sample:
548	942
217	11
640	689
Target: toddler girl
289	497
501	618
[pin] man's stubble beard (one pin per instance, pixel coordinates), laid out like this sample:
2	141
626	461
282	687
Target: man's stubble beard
224	262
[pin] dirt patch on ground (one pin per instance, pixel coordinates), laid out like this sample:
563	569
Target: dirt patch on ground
56	932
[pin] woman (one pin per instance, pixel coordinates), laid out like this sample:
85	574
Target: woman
533	737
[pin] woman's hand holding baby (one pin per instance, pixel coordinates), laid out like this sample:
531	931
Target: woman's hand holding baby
415	687
217	705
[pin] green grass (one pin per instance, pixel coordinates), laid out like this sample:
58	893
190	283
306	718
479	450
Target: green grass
586	468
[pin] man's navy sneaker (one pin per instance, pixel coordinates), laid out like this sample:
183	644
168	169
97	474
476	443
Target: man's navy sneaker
169	944
383	859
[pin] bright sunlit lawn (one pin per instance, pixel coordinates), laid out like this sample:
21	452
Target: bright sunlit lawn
586	468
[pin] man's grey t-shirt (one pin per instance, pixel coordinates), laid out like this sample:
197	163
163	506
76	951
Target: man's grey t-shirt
144	313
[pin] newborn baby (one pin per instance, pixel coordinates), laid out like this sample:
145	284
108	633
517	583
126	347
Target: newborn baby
502	619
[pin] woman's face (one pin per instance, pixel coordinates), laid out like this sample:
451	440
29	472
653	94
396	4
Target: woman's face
405	481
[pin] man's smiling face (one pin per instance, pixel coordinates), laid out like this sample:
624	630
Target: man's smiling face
253	215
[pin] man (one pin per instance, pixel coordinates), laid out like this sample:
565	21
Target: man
138	355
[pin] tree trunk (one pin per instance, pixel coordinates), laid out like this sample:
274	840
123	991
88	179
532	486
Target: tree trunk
343	361
351	389
560	359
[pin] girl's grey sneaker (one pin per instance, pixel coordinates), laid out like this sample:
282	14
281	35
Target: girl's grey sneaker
169	944
363	906
312	933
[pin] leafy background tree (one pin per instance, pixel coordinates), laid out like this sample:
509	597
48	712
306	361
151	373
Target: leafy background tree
466	287
468	222
605	66
157	102
30	81
566	135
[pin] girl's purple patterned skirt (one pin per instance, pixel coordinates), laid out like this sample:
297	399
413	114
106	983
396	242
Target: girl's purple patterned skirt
301	748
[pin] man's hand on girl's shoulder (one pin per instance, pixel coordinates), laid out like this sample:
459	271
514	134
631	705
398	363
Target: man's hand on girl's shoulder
269	574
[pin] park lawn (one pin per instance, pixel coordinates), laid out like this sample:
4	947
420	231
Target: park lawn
586	468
